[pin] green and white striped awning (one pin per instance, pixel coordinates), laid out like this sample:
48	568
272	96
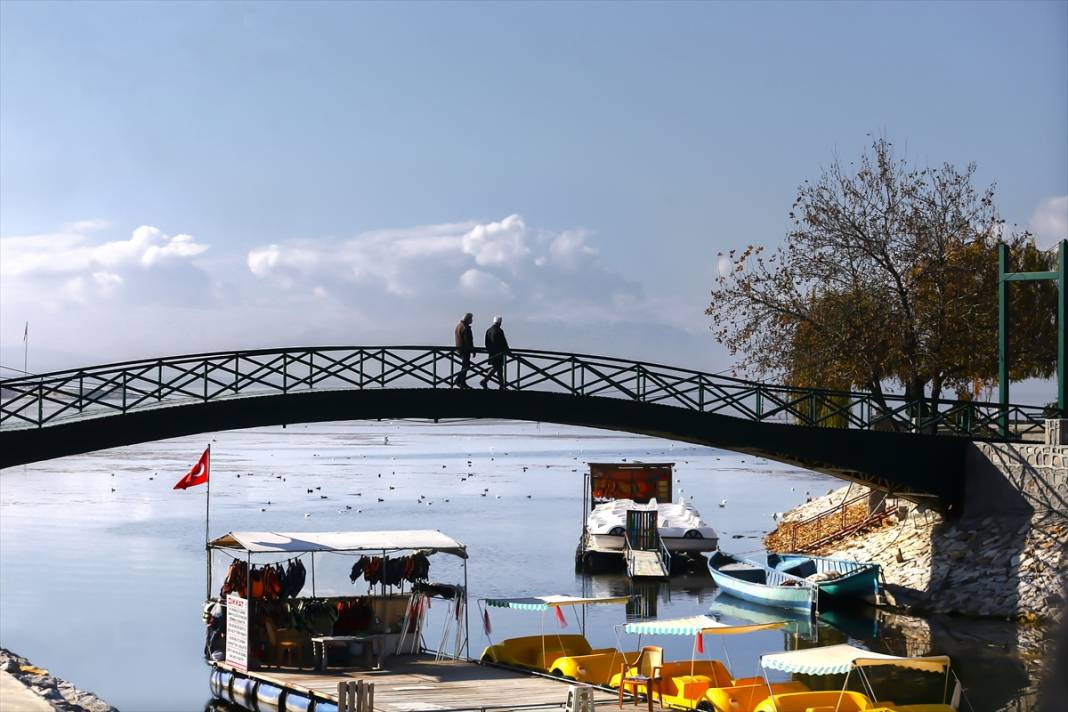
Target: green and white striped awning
544	603
837	659
694	625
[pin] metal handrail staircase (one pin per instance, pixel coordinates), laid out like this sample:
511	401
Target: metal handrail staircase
830	525
650	558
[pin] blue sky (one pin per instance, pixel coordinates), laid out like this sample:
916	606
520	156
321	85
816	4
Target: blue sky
301	151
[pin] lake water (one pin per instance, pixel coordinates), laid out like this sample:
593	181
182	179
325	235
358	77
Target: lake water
102	563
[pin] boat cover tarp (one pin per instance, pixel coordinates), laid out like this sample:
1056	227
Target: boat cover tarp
544	603
300	542
836	659
694	625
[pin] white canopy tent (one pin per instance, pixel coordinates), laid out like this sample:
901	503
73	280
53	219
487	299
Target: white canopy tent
694	625
378	541
837	659
384	543
544	603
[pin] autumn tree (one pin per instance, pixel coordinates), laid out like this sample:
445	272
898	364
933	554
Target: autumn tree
887	278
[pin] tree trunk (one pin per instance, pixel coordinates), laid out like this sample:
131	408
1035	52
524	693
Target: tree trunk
914	395
936	395
876	388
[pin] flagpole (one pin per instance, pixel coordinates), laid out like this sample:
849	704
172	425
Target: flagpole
207	517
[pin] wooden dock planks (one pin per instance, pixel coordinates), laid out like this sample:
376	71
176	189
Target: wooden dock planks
419	683
646	564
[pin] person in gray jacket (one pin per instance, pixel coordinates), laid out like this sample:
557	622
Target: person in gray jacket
465	346
497	348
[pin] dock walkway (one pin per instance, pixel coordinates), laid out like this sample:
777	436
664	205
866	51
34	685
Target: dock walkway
418	683
646	564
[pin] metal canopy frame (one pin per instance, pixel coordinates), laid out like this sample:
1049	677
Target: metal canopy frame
1060	275
221	544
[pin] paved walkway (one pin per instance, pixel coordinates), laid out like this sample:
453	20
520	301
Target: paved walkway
16	697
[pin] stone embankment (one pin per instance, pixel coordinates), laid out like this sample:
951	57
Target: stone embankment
990	567
1005	557
39	690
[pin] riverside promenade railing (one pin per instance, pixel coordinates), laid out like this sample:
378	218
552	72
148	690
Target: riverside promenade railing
51	398
811	533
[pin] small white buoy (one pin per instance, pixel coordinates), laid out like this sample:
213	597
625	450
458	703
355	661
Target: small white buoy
723	503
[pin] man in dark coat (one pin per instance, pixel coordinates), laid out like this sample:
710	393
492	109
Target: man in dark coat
465	346
497	348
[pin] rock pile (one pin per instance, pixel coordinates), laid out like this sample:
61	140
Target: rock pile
1013	567
61	695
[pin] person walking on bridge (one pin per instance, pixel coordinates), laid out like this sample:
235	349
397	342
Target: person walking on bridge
497	348
465	346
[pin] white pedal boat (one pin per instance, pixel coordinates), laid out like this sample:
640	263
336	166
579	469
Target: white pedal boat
680	526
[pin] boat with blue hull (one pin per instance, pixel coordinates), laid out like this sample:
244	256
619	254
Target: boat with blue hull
839	578
794	582
753	581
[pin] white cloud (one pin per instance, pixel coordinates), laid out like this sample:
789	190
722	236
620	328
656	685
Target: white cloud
570	248
152	294
464	265
498	244
1049	222
478	283
72	266
83	226
72	252
108	282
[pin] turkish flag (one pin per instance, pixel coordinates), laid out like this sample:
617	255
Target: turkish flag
198	475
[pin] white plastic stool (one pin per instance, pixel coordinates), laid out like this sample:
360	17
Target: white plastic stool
579	699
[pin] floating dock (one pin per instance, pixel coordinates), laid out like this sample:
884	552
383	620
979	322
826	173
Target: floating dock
406	684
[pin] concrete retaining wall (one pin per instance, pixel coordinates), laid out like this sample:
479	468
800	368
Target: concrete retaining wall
1003	478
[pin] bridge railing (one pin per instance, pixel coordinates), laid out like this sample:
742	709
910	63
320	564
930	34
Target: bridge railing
35	401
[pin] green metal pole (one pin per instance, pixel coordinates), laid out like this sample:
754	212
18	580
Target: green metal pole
1003	338
1062	329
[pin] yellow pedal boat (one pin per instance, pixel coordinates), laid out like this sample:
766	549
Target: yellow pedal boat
695	684
847	659
569	655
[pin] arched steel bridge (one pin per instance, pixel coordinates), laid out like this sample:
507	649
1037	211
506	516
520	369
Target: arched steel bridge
893	444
